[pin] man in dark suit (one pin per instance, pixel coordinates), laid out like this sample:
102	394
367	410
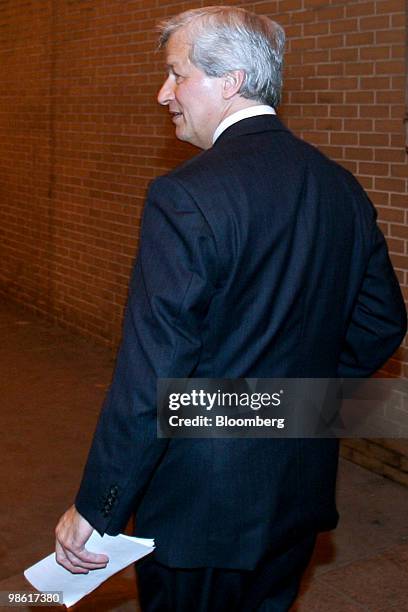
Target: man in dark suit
259	258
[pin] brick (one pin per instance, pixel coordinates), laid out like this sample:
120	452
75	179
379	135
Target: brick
398	199
391	37
343	25
331	69
293	31
344	110
390	184
359	153
344	138
357	9
298	124
303	43
300	71
294	84
344	83
315	29
316	138
377	82
315	83
401	171
379	198
389	97
297	110
359	97
388	125
375	111
373	169
317	110
330	124
359	68
330	97
400	231
331	41
303	97
360	38
389	154
390	67
315	57
344	55
374	140
294	58
331	13
379	22
375	52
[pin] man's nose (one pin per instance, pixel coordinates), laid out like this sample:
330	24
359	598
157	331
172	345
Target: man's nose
166	93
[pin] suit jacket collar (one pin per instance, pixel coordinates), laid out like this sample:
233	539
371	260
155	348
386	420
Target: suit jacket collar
252	125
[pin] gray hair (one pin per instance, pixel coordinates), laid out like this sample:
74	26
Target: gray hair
226	38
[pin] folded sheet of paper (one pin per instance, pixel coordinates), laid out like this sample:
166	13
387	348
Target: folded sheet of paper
122	550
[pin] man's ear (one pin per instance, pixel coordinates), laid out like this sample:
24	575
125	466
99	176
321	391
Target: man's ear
232	83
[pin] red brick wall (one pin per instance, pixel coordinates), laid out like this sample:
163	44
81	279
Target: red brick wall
81	135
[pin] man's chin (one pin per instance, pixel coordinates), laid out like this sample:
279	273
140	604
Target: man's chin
185	137
181	131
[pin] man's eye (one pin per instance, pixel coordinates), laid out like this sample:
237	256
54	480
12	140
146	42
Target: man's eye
179	78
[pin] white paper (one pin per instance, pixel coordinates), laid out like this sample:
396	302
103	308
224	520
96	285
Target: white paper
122	550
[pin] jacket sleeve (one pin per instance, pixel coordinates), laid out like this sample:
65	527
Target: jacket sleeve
171	287
379	321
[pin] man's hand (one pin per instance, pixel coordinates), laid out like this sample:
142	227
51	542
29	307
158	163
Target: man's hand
72	532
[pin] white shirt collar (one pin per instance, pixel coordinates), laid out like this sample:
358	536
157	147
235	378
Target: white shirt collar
245	113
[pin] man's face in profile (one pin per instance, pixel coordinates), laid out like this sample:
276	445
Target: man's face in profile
194	99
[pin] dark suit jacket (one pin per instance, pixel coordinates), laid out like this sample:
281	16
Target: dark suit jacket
259	258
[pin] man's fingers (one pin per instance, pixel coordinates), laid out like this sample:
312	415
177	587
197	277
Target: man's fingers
72	568
85	558
79	561
62	559
75	565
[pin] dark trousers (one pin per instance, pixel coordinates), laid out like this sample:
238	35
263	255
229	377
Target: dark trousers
271	587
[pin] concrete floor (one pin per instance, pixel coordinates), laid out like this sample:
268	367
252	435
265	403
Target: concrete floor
52	386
